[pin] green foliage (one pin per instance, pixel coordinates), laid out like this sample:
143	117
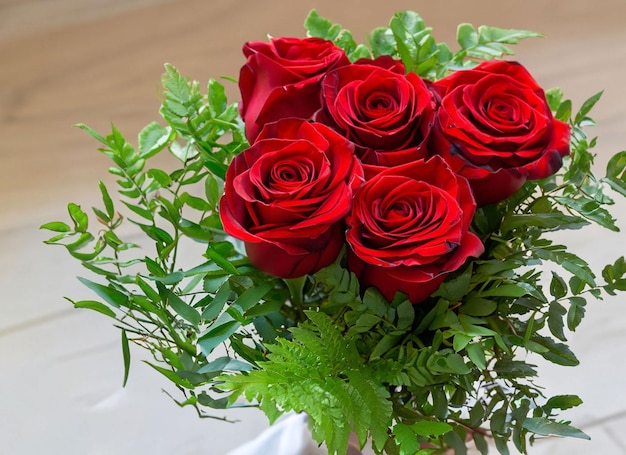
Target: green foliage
407	38
487	43
321	373
319	27
412	379
179	314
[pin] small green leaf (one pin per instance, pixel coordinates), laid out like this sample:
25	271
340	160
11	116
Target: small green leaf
184	310
93	134
211	190
126	357
142	212
431	428
78	217
558	288
454	289
502	35
156	233
215	403
476	306
554	96
365	322
546	427
587	106
617	185
514	368
56	226
170	278
79	243
498	420
320	27
172	358
616	165
202	234
217	334
384	345
576	312
456	364
162	177
555	320
440	403
454	441
225	364
616	173
106	200
345	41
221	261
568	261
505	290
216	306
480	442
460	341
564	112
382	42
576	285
406	315
94	305
361	51
558	353
184	152
216	98
561	402
476	354
112	296
591	210
172	376
406	438
195	202
102	217
152	139
175	85
466	36
549	221
266	308
252	296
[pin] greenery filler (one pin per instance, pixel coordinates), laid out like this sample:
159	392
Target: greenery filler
450	371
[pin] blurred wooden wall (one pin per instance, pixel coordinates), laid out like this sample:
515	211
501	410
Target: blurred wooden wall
99	62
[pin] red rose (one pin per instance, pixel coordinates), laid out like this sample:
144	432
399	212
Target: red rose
287	195
408	228
282	79
385	112
495	128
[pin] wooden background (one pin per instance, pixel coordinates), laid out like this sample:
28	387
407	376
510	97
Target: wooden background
99	62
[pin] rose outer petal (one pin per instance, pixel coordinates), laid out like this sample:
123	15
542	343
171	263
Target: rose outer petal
390	252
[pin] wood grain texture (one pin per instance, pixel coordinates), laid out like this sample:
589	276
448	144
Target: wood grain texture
99	62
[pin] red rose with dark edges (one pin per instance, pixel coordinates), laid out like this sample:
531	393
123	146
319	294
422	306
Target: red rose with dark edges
287	195
495	128
386	113
282	79
408	228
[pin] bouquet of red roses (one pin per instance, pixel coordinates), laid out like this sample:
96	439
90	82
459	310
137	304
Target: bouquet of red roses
372	229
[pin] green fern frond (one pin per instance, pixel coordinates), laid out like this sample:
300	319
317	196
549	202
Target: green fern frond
320	372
